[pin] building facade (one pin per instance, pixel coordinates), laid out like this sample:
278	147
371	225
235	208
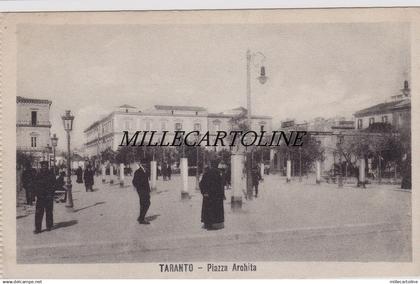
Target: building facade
325	131
33	127
108	131
396	112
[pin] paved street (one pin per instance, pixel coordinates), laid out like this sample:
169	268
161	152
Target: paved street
288	222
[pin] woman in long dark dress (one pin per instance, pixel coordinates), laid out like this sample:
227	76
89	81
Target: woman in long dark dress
211	186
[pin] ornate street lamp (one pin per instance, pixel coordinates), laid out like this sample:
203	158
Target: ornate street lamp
68	127
54	142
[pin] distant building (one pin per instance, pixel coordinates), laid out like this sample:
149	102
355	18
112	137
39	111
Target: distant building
396	112
33	127
108	131
323	130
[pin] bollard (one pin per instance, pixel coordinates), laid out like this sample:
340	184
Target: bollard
111	174
122	175
184	176
289	171
318	172
237	163
103	173
362	176
153	175
262	170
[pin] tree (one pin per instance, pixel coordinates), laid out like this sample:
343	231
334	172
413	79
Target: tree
305	155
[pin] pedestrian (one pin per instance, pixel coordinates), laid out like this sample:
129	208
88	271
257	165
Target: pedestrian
59	186
79	174
211	186
169	171
88	177
164	171
256	178
44	192
28	181
141	183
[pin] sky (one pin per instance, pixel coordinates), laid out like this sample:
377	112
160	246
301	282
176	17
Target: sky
313	70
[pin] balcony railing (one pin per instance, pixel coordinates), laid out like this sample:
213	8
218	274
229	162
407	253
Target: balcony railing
28	123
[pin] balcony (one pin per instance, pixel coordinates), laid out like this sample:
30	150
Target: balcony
28	123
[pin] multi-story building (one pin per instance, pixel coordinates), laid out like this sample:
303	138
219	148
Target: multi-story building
396	112
108	131
323	130
33	127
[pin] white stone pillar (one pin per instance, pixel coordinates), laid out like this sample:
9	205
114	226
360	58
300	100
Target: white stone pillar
103	172
362	176
318	171
153	175
262	169
288	171
184	177
111	174
121	174
236	172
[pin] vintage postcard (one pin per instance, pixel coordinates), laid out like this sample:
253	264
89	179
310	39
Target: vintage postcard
210	144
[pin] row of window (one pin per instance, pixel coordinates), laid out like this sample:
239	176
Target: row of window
371	121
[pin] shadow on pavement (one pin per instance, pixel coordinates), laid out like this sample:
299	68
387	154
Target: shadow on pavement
152	218
65	224
97	203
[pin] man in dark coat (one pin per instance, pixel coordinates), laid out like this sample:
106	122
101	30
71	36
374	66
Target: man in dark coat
28	182
79	174
211	186
45	187
88	177
256	177
141	183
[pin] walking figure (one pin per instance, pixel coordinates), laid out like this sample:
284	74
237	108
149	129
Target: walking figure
141	183
256	177
88	177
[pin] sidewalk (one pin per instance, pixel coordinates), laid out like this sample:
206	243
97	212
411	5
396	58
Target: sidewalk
106	219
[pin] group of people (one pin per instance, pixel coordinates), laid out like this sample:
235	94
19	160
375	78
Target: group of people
212	187
43	184
86	176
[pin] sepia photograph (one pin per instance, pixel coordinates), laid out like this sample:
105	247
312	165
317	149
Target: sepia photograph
223	143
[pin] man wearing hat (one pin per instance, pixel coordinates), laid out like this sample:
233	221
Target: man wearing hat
44	193
141	183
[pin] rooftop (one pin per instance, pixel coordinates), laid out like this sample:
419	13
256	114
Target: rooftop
32	100
383	107
181	108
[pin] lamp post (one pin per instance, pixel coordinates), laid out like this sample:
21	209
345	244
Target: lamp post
262	79
68	126
54	142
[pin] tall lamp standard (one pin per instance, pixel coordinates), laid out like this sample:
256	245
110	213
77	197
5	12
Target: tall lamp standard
68	126
54	142
262	79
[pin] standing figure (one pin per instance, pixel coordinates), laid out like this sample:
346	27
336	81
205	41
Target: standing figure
211	186
169	171
164	171
88	177
256	177
28	181
79	173
141	183
45	187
